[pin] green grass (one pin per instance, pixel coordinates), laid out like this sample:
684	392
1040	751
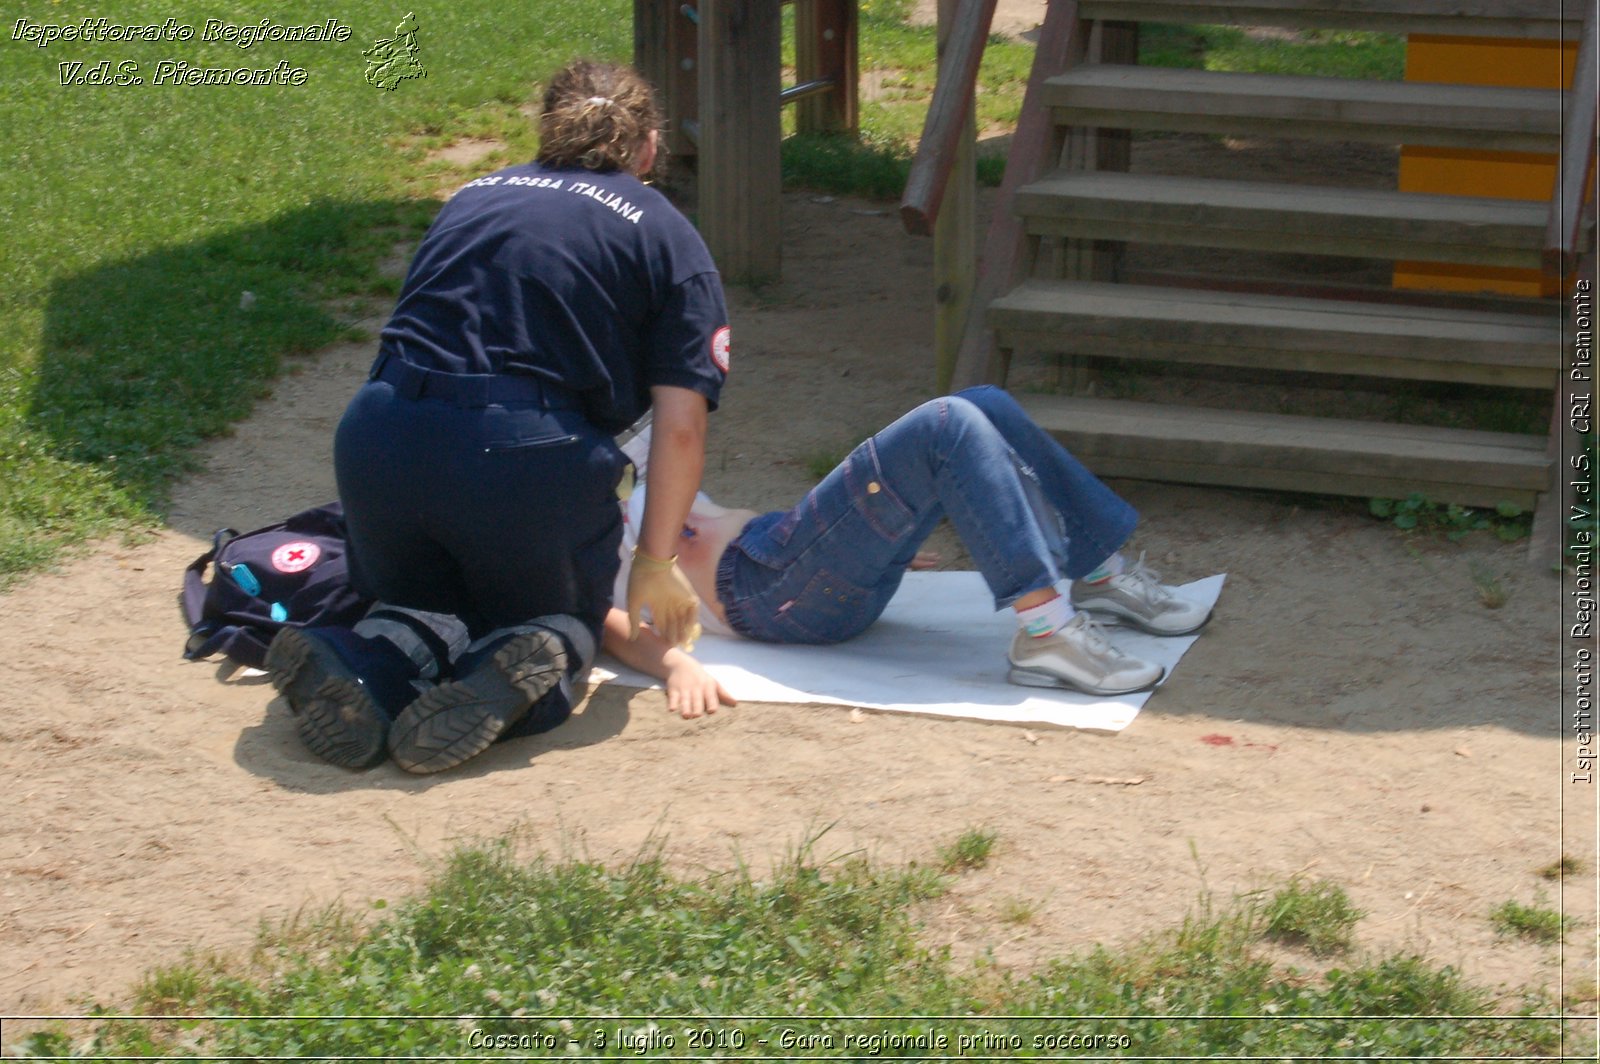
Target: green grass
1565	866
550	950
1325	53
898	59
969	850
839	164
148	211
1318	916
1537	922
129	338
152	210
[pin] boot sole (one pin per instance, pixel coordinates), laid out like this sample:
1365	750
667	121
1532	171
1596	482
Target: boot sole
1026	677
458	720
334	713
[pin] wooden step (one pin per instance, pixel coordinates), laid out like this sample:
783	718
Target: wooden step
1286	453
1252	215
1279	333
1310	108
1525	19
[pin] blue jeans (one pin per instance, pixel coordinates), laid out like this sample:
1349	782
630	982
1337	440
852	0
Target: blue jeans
1029	513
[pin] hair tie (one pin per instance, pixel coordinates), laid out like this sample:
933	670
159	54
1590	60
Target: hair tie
600	100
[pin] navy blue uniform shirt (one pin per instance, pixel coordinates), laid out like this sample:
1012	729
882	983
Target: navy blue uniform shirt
593	282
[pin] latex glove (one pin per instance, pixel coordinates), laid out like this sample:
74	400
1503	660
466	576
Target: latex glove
660	586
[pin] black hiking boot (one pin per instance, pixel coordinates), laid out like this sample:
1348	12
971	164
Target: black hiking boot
461	718
342	690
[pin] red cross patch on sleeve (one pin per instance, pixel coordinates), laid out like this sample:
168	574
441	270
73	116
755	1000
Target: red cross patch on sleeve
719	348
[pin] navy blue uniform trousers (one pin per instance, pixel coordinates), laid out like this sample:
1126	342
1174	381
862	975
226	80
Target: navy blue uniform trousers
489	498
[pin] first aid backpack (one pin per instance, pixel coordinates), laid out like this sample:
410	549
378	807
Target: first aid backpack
294	572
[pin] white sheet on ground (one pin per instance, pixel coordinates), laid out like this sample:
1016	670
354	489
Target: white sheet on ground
939	648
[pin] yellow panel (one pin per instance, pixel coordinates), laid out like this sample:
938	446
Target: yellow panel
1465	172
1455	277
1505	62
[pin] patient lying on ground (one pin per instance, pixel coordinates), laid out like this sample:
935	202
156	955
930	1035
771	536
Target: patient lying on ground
1041	528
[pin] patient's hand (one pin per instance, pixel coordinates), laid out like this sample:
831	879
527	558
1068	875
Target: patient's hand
691	690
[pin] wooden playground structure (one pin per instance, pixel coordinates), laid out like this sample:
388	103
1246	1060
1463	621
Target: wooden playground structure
718	67
1048	277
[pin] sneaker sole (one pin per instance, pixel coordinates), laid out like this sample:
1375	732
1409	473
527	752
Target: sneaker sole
460	719
1023	676
1112	619
334	714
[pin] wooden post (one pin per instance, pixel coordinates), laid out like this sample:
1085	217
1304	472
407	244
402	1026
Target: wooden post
1004	247
955	233
665	52
825	50
740	132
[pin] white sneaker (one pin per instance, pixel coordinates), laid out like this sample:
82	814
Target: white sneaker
1079	656
1138	598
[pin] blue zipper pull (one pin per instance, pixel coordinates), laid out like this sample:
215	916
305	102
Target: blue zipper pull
245	578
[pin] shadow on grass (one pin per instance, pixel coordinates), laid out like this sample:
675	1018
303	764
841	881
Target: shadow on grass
144	358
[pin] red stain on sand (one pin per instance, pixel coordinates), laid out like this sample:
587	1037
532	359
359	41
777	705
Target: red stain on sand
1215	739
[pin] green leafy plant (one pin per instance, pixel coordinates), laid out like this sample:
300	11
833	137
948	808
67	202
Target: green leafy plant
1416	512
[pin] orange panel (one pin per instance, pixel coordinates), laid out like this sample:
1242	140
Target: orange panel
1505	62
1509	62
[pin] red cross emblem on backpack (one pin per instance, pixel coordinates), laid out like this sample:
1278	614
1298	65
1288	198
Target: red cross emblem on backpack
296	557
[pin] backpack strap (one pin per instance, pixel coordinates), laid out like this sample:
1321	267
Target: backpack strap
240	644
203	643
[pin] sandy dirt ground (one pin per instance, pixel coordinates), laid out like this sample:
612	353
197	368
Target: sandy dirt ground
1355	712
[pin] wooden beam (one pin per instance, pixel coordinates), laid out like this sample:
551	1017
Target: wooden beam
963	31
1262	216
1526	19
1060	46
955	230
1313	108
740	177
1275	333
1296	453
1573	190
665	53
825	33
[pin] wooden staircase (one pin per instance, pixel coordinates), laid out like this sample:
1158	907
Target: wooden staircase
1077	208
